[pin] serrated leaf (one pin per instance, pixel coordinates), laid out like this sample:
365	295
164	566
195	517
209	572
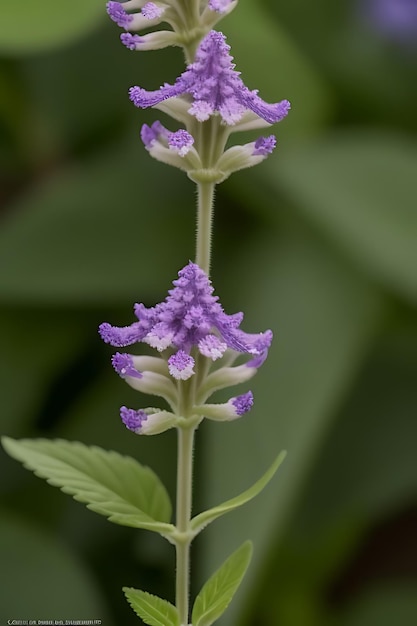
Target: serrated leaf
204	518
217	593
151	609
113	485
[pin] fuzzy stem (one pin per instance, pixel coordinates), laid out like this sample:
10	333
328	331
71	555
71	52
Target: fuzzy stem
184	504
204	225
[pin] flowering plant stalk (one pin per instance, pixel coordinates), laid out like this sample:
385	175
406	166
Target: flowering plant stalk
200	349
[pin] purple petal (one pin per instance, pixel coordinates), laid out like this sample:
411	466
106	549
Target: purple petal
130	41
123	364
120	336
265	145
117	13
242	404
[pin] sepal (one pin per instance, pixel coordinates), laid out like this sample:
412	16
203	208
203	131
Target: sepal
172	148
151	41
228	411
148	421
224	377
241	157
155	384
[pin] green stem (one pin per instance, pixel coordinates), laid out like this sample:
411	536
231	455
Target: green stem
204	225
184	504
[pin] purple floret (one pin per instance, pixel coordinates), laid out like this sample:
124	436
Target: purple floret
242	404
130	41
117	13
123	364
265	145
132	419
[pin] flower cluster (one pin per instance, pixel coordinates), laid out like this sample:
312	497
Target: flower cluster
213	85
210	91
188	23
190	325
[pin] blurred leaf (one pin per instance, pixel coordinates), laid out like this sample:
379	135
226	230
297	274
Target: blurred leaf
200	521
271	62
151	609
384	605
27	26
77	108
372	444
35	346
324	317
110	484
218	592
361	190
40	576
94	234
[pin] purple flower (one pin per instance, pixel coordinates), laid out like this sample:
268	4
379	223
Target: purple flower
117	13
242	404
151	11
181	365
213	85
147	422
150	15
179	141
190	317
150	134
132	42
123	364
264	145
234	408
133	420
220	6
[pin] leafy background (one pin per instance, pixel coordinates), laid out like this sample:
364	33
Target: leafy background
323	238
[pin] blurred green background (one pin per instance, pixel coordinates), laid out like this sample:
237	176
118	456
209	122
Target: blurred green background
318	243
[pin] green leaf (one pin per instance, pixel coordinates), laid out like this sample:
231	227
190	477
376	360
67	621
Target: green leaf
204	518
110	484
28	26
217	593
151	609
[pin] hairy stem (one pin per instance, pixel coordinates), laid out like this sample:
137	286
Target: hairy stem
204	225
184	504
